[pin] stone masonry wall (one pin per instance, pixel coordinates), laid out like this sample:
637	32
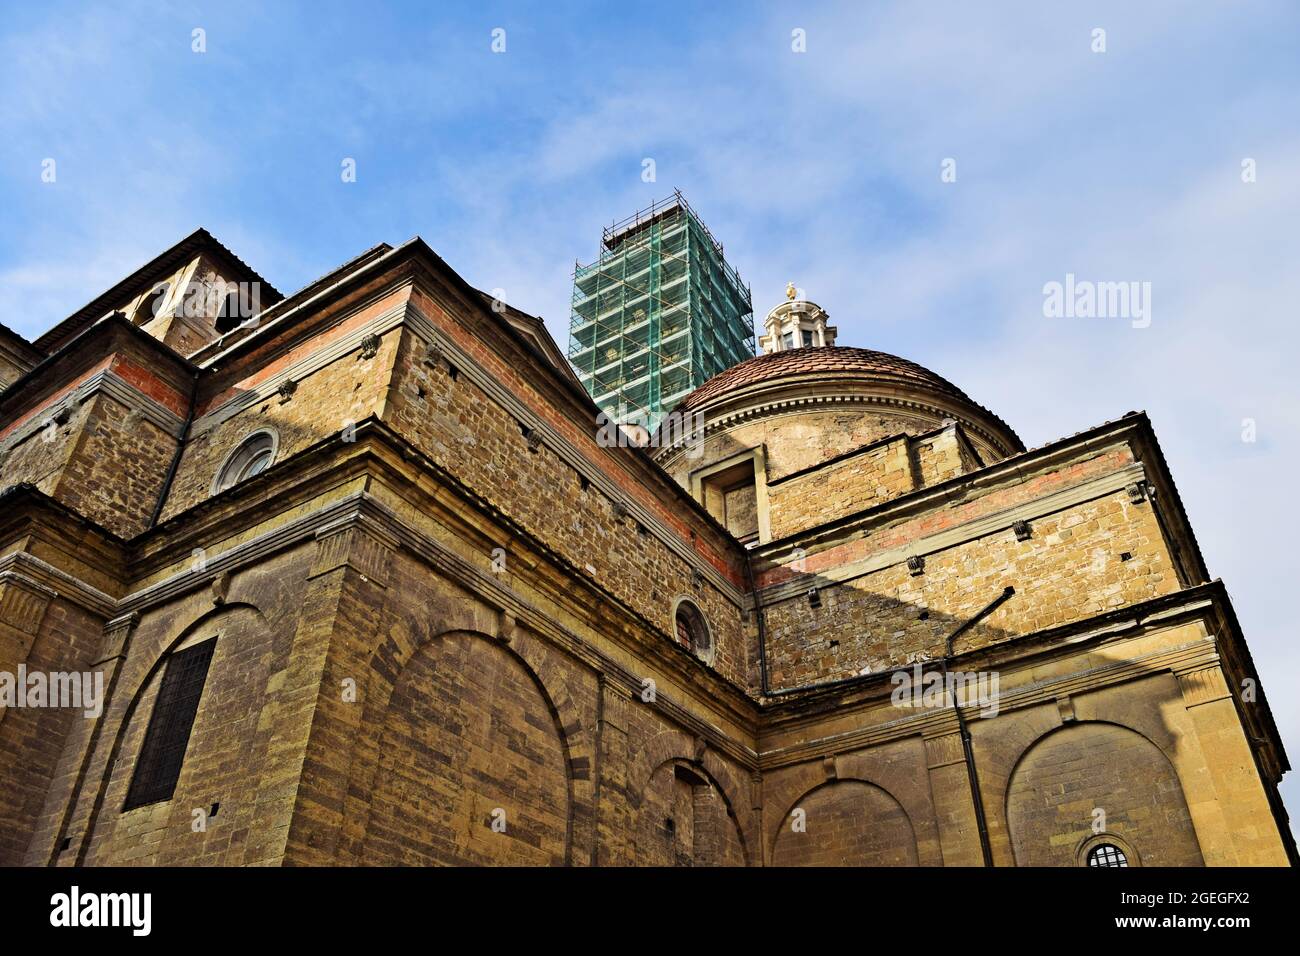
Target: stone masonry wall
115	472
454	729
40	458
466	432
798	440
230	760
344	392
1073	567
468	741
941	456
1080	769
841	488
848	823
48	636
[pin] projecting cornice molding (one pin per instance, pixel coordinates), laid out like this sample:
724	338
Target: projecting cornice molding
1200	656
354	341
361	511
24	567
105	382
928	412
23	602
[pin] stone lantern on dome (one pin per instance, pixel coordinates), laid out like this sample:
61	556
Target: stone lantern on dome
796	323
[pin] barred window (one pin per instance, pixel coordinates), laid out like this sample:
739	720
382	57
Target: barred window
692	630
168	734
251	458
1107	854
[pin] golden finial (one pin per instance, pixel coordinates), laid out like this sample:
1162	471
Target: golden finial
790	291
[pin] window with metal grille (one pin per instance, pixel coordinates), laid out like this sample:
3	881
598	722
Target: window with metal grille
1107	854
252	457
692	631
168	735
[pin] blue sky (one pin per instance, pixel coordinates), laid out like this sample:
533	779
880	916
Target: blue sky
820	167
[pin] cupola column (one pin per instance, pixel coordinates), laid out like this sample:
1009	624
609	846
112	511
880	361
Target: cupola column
796	323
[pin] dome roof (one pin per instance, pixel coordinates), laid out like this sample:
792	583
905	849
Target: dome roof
820	360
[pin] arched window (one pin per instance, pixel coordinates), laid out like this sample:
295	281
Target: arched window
238	306
167	736
151	305
1107	854
251	458
692	630
229	315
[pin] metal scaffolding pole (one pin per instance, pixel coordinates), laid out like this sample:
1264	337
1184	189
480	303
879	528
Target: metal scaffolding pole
659	312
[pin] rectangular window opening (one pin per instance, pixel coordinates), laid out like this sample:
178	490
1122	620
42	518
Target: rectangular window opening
731	497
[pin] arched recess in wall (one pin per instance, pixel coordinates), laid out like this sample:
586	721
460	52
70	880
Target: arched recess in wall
677	747
1091	778
138	688
846	823
151	305
684	818
473	766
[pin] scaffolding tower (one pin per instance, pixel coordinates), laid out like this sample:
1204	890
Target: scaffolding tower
657	315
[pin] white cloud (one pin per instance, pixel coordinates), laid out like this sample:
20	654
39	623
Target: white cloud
822	168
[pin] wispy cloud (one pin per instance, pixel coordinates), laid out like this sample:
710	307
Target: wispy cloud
820	167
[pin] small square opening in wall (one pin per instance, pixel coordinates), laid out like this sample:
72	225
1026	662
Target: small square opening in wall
65	844
1126	556
731	496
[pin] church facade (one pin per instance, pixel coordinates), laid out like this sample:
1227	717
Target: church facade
355	576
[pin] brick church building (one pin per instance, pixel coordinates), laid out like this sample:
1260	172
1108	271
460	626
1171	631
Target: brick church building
363	581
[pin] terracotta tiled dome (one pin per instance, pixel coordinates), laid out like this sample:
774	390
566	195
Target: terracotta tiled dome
827	360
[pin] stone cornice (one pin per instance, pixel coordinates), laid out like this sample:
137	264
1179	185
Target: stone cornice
807	397
105	382
365	510
1187	656
18	351
318	359
57	583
